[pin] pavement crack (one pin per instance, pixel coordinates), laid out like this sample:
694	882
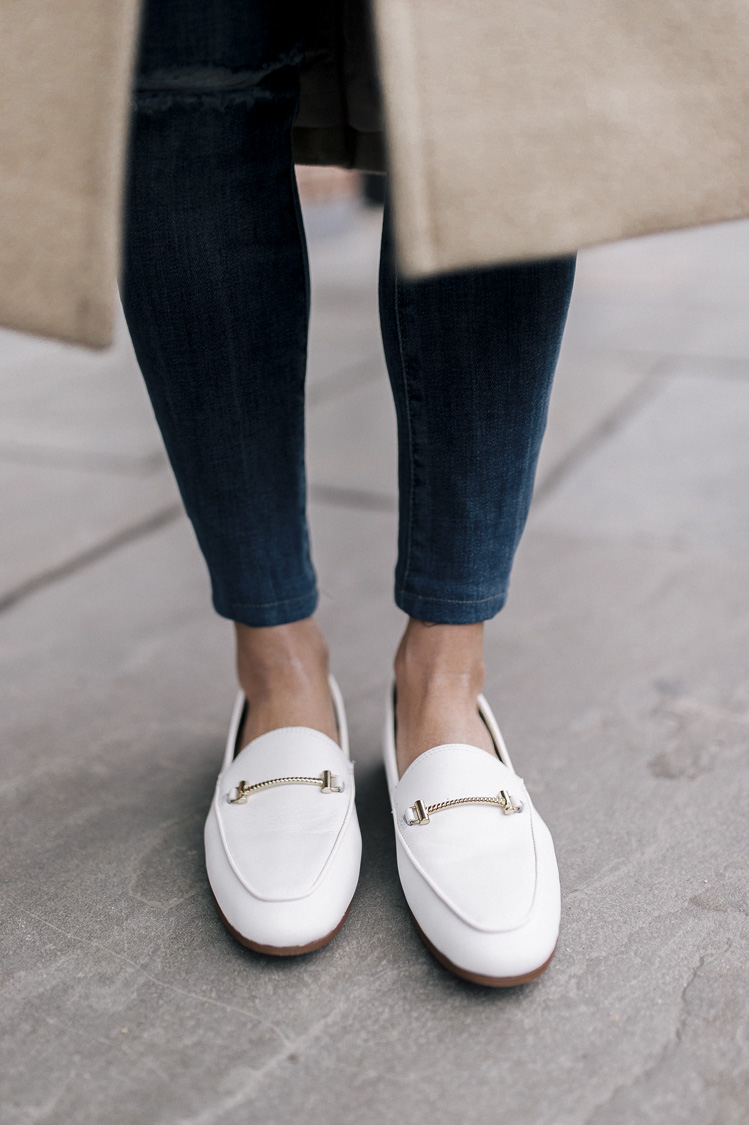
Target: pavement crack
108	546
258	1020
218	1111
598	1114
293	1051
600	433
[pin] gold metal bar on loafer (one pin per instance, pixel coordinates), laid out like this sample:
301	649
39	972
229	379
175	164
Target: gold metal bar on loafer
325	781
503	800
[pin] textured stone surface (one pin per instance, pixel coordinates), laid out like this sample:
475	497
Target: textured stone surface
86	408
81	461
620	673
591	393
676	469
352	441
682	293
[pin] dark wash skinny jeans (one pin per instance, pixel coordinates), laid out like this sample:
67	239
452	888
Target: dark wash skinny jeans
216	293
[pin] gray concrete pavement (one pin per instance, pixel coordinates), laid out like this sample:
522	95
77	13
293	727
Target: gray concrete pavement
619	670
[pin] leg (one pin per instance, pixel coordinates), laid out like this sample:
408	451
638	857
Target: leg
471	358
216	297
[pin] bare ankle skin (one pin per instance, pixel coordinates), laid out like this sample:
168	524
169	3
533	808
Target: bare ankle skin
283	671
439	672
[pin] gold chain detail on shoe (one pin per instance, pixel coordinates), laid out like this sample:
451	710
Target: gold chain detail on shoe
503	800
325	781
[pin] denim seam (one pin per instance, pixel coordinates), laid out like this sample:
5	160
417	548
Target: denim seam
298	215
406	395
281	601
299	218
450	601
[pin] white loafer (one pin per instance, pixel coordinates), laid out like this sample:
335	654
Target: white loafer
282	840
475	860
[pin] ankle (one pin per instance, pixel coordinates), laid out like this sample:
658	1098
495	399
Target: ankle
283	672
440	659
439	672
291	657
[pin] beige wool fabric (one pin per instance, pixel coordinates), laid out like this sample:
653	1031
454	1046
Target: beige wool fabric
532	129
514	131
65	70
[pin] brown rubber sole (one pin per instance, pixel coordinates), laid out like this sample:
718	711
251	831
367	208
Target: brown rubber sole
478	978
279	950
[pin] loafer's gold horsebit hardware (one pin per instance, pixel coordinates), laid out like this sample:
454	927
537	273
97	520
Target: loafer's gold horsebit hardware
325	781
503	800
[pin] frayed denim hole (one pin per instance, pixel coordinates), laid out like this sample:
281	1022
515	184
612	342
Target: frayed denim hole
153	102
207	86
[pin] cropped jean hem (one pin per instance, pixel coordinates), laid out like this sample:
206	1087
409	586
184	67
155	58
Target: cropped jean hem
449	611
269	613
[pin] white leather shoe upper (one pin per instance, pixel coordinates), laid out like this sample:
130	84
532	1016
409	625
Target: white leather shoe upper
480	876
283	846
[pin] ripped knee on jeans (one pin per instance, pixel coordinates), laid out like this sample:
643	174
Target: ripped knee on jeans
206	85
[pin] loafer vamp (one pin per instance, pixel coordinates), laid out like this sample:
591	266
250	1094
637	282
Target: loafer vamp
480	860
281	839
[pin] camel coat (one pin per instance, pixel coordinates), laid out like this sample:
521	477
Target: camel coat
514	131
